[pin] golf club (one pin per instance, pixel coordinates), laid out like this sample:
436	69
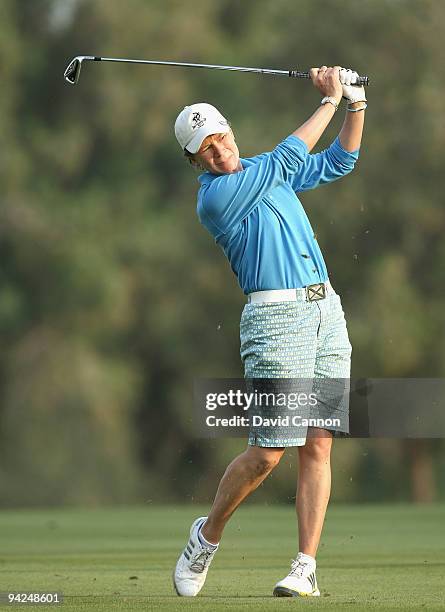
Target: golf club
72	71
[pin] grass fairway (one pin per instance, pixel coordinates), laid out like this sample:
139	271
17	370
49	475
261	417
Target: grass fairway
372	557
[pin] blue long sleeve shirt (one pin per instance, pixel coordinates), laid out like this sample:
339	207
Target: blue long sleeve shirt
258	220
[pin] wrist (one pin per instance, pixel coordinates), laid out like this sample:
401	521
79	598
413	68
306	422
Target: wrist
354	107
337	97
331	101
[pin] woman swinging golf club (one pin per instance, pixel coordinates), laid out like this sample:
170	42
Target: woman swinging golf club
293	325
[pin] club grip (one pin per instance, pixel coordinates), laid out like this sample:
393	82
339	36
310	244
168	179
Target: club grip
296	74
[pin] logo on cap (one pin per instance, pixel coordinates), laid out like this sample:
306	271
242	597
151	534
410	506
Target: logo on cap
197	121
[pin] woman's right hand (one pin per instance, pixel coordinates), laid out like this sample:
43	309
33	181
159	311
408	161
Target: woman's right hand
327	81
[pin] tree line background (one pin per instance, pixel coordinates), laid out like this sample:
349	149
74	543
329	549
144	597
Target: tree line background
113	298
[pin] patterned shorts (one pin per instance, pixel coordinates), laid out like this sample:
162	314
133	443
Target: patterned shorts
298	340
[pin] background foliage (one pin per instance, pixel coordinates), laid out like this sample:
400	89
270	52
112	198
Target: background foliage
113	297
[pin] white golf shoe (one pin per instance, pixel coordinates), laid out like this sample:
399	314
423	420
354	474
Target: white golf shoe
192	566
301	580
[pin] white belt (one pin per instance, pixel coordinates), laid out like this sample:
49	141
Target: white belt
311	293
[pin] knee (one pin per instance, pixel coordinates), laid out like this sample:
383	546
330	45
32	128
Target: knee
264	460
316	449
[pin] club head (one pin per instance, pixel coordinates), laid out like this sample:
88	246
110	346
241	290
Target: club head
72	71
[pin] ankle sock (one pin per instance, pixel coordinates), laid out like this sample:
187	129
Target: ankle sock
204	542
307	559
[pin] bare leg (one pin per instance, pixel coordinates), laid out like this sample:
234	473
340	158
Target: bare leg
243	475
314	487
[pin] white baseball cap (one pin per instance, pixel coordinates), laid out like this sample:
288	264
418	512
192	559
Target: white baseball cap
196	122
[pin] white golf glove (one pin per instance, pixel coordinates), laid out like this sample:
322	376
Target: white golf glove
352	93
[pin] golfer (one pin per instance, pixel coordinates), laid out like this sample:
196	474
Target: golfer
293	325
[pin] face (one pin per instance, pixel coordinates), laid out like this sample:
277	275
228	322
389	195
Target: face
219	154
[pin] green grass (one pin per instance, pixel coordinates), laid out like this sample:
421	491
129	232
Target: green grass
372	557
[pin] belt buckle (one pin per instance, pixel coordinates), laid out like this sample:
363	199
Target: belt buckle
316	292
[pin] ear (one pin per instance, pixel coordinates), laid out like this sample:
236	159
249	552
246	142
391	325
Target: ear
195	164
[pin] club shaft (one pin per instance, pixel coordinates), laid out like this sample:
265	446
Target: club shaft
188	65
74	67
